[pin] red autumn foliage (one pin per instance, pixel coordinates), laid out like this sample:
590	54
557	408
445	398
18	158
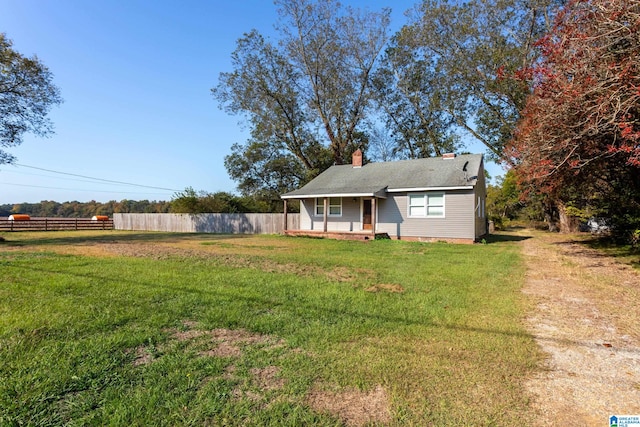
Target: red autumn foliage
583	116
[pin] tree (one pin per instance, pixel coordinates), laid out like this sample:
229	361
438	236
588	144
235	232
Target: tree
578	142
503	200
186	201
452	69
265	170
194	202
306	97
382	145
27	93
408	94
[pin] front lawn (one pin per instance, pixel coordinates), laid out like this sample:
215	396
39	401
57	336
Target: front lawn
128	328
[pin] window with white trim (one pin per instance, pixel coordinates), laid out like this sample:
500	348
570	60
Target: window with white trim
426	205
335	206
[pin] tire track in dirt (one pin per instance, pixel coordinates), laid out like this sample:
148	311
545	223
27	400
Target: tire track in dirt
586	320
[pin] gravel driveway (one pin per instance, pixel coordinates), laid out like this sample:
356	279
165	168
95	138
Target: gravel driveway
586	318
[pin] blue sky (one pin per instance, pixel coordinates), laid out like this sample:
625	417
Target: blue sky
135	76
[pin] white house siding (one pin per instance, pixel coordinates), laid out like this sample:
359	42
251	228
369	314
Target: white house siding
306	210
458	222
349	221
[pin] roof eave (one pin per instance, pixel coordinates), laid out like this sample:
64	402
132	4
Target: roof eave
380	194
410	189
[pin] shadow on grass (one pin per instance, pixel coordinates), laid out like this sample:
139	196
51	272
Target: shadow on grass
45	238
308	308
311	309
504	237
605	247
26	239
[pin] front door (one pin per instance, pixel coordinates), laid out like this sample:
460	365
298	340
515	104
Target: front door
366	214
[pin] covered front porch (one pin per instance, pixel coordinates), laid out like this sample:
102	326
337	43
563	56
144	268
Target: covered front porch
337	216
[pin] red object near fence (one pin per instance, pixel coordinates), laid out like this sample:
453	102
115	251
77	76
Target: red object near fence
19	217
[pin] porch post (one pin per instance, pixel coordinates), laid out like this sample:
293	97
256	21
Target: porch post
284	227
373	216
326	209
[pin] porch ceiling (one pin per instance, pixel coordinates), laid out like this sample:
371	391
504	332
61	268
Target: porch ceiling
342	192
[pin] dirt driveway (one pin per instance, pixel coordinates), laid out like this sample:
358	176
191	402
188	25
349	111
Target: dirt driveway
586	318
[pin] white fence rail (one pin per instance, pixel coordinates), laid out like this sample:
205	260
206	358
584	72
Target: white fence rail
242	223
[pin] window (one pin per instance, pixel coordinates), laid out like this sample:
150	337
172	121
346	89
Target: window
417	205
426	205
335	206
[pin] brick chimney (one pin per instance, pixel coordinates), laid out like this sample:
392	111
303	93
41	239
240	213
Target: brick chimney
449	156
356	159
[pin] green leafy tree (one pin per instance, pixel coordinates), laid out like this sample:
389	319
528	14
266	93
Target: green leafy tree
305	97
408	93
454	66
27	93
192	201
503	200
186	201
265	170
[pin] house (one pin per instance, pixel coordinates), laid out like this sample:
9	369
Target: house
441	198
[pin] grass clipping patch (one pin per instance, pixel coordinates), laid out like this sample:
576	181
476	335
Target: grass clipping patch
386	287
221	342
355	408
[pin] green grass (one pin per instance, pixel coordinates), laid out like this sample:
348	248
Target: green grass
90	329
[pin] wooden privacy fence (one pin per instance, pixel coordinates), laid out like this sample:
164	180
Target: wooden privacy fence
55	224
241	223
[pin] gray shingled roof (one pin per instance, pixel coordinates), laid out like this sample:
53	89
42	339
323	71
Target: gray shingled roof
379	178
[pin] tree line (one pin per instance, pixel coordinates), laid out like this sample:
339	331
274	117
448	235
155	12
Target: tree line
75	209
187	201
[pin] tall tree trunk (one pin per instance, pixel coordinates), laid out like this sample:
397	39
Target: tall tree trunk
567	223
551	215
